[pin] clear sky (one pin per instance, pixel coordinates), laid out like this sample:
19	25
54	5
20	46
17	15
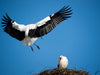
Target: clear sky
77	38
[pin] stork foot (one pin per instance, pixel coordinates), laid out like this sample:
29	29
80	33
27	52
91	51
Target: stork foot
37	46
31	48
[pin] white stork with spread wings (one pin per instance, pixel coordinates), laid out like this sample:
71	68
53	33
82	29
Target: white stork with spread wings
28	34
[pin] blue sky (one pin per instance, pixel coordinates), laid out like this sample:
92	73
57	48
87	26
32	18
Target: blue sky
77	38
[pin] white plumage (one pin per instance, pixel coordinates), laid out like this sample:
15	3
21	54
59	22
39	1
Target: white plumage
62	62
27	40
28	34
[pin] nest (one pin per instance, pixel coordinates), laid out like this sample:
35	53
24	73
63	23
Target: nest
63	72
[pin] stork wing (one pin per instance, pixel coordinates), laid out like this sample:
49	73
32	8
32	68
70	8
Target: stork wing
50	22
11	30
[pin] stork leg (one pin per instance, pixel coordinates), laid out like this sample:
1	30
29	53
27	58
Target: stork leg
31	47
37	46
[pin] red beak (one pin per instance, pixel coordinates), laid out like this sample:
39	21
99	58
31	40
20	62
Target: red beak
59	58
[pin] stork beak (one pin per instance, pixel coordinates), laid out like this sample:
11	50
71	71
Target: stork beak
59	58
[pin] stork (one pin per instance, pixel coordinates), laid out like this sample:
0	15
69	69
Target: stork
28	34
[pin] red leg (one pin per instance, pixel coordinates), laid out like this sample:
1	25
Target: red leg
37	46
31	48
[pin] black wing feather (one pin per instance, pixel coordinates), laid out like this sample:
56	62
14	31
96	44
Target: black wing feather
10	30
58	17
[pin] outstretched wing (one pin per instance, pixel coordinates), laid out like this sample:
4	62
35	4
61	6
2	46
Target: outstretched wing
50	22
9	28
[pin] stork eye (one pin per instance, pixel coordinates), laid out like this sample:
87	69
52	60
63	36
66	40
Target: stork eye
12	21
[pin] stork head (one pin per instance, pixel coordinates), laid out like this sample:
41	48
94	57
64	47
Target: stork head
62	57
12	21
63	62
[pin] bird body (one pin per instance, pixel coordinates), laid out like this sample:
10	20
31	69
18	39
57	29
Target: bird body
62	62
25	28
28	34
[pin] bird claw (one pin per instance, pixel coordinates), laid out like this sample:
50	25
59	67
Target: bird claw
31	48
38	47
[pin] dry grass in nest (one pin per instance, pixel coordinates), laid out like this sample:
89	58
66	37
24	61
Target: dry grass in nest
63	72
